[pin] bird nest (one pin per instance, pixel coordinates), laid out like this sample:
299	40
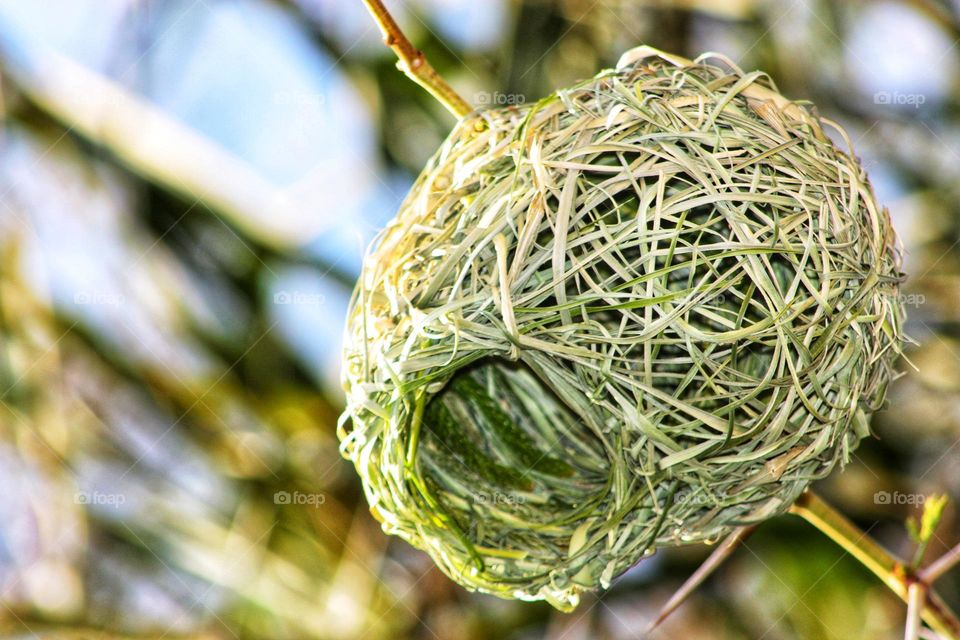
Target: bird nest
646	310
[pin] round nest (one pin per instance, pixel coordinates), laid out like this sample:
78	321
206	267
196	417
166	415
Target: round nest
639	313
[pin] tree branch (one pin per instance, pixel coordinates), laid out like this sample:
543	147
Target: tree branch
879	561
940	566
413	63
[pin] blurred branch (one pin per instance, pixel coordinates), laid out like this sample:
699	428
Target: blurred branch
145	138
413	63
939	13
893	571
916	594
940	566
719	555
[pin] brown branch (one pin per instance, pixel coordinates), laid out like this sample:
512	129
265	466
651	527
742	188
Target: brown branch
719	555
413	63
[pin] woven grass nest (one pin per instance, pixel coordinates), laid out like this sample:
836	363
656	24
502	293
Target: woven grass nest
646	310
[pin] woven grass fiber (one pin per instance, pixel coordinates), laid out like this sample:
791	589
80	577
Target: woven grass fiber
638	313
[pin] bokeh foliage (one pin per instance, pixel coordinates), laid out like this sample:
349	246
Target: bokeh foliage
168	454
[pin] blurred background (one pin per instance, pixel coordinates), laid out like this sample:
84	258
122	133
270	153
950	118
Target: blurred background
186	190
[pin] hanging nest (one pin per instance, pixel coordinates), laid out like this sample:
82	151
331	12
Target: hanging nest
639	313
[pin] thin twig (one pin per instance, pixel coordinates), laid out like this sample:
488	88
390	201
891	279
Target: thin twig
916	594
413	63
891	570
940	566
721	553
